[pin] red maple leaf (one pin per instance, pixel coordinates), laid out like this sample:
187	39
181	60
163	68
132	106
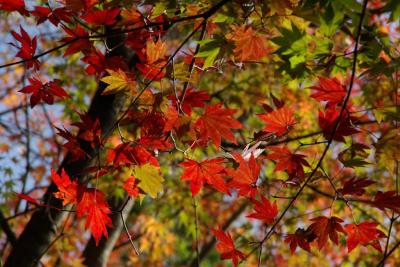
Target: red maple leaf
355	186
264	210
73	146
54	16
208	171
192	99
89	129
288	161
279	121
330	90
131	186
91	202
68	190
43	91
27	49
226	247
155	143
387	200
363	234
324	226
14	5
98	63
102	17
245	176
216	123
300	238
328	119
78	39
128	154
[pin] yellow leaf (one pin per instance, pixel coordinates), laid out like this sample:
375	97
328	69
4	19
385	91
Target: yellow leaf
118	81
155	51
150	179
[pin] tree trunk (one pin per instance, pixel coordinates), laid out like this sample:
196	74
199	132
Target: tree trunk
38	234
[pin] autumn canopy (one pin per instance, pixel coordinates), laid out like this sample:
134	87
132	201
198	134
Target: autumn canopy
199	133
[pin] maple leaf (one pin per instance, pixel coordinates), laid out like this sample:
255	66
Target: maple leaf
291	162
77	5
324	226
102	17
128	154
43	91
150	179
131	17
98	62
248	44
54	16
192	99
208	171
27	49
131	187
89	129
264	210
363	234
226	246
172	119
387	200
355	186
330	90
91	202
78	39
14	5
68	190
328	119
300	238
216	123
73	146
279	121
245	176
354	156
152	60
118	81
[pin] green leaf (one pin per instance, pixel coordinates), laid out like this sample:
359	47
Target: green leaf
209	50
150	179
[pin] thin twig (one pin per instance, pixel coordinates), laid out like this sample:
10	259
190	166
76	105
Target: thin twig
128	234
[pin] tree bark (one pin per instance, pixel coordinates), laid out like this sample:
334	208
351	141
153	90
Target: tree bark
42	227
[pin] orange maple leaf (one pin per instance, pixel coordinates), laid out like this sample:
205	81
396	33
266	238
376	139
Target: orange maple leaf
208	171
279	121
216	123
248	44
245	176
68	190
